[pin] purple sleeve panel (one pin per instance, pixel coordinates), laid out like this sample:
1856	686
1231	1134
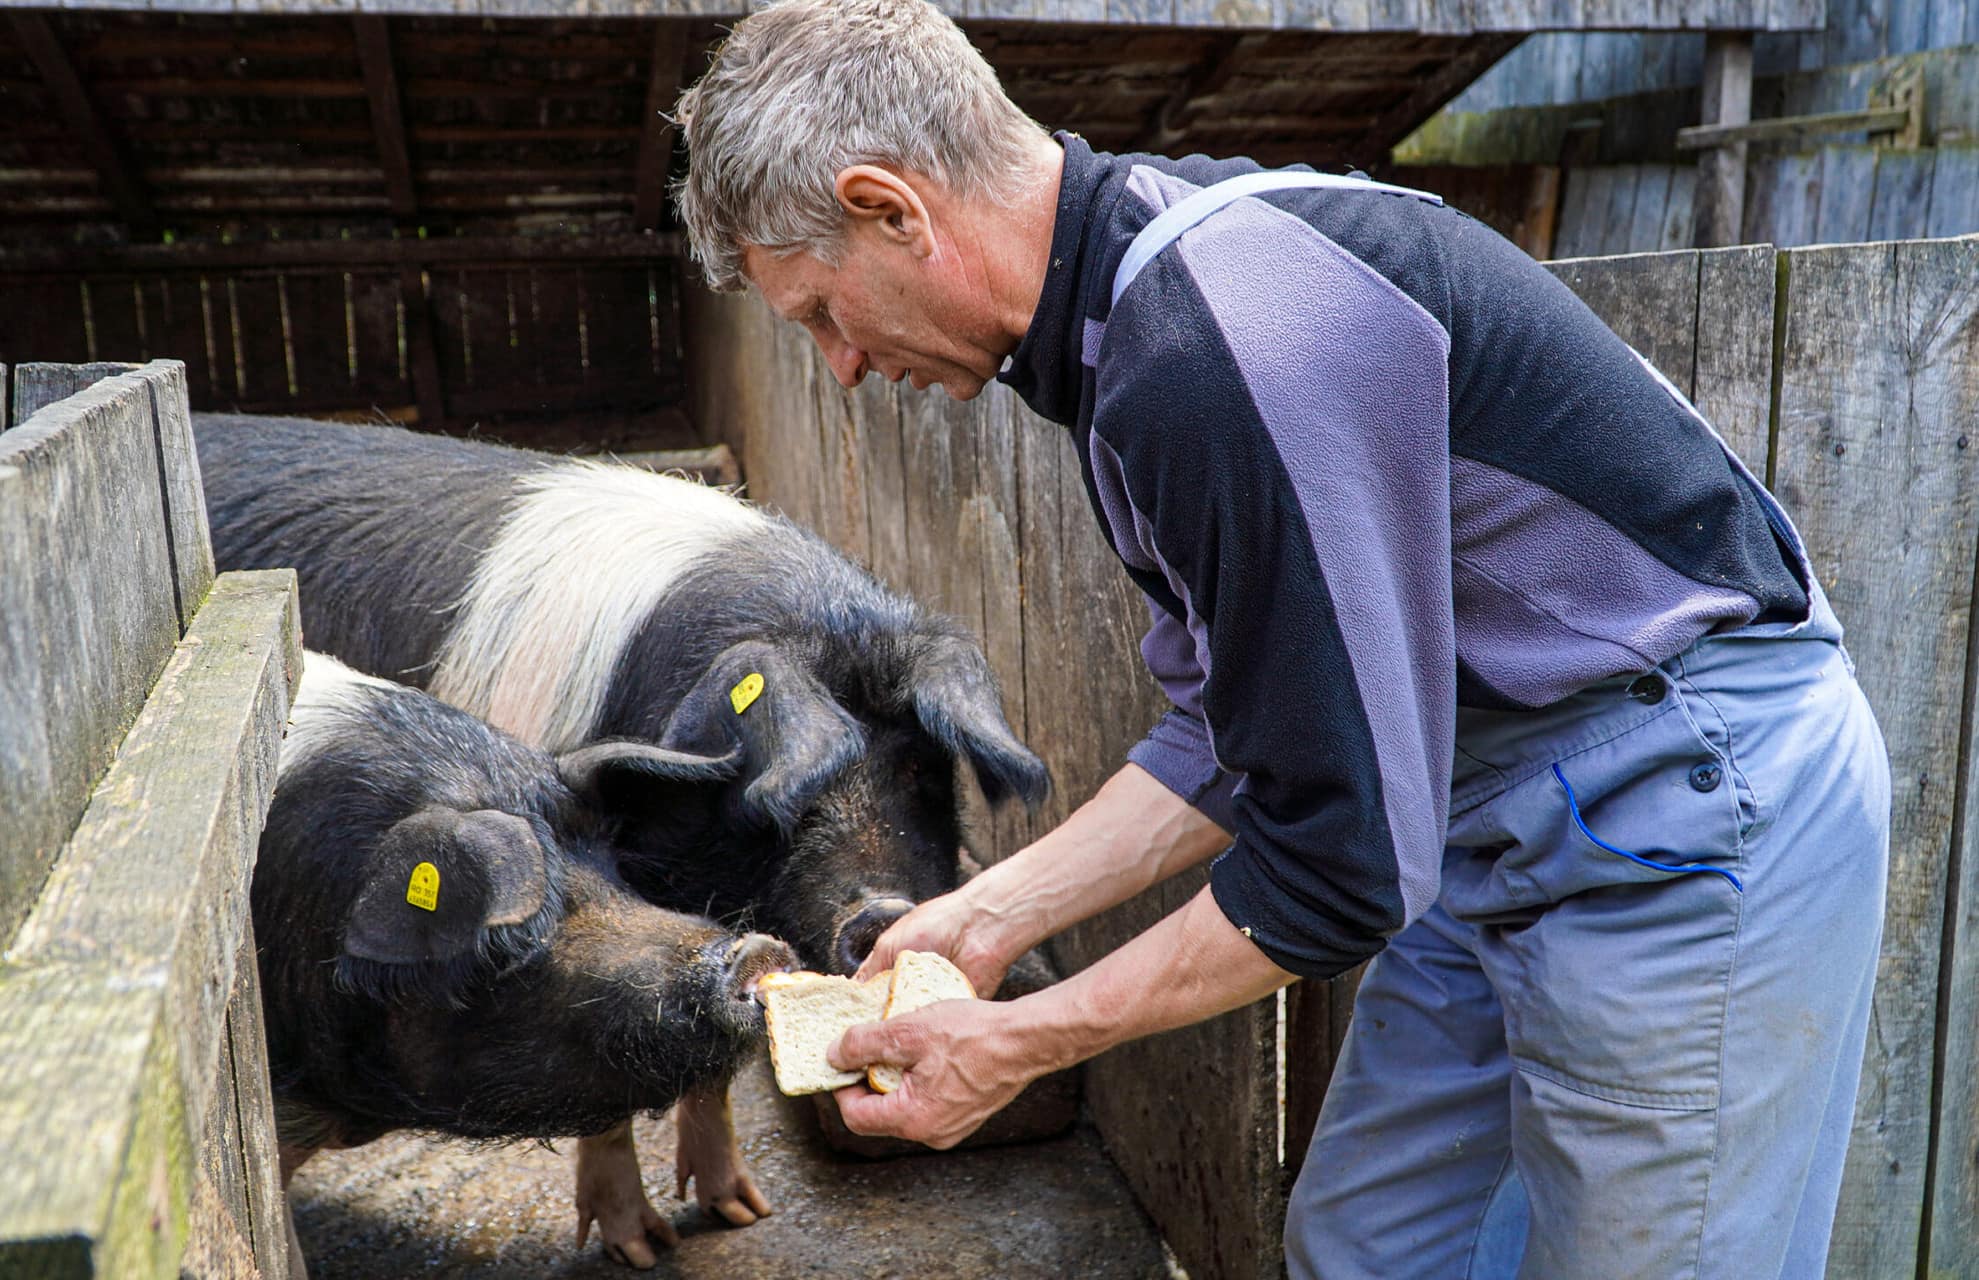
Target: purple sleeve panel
1176	751
1271	441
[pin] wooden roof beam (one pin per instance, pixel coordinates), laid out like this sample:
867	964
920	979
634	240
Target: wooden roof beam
106	153
649	181
381	90
1170	122
1478	55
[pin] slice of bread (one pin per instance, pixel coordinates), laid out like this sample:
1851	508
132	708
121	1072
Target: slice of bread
805	1013
919	978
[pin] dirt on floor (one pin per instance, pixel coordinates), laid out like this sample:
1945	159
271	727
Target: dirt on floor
409	1206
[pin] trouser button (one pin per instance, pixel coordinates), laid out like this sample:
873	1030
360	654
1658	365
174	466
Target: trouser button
1649	689
1705	777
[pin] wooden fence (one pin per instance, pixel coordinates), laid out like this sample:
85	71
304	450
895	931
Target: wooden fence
141	707
1858	397
460	329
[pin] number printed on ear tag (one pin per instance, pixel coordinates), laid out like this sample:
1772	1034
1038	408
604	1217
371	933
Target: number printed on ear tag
746	692
423	890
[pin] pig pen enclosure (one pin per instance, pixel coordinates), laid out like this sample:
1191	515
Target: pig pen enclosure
458	220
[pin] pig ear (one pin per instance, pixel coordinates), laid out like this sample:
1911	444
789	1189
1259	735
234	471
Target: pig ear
789	734
600	773
956	699
446	891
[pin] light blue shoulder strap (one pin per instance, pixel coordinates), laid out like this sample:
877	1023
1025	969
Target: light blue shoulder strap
1177	218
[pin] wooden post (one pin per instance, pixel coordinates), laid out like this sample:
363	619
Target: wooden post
1721	170
381	87
649	181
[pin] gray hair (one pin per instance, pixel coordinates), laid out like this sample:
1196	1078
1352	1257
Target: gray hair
805	88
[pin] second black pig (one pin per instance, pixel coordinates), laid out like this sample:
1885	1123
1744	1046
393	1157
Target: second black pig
446	943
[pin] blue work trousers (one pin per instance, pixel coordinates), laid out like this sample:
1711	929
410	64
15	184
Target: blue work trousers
1584	1063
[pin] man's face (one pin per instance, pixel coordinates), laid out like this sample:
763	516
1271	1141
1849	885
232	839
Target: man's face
885	309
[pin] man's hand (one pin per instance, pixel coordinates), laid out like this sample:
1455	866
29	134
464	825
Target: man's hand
952	926
964	1061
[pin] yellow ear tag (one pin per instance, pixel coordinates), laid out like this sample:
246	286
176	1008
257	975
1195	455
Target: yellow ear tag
746	692
423	890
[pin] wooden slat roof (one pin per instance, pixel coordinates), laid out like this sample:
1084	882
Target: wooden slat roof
1450	17
219	125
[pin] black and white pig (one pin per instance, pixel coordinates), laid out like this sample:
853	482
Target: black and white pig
568	601
446	943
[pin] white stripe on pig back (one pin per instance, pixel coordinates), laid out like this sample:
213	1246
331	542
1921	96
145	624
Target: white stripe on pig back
328	691
581	559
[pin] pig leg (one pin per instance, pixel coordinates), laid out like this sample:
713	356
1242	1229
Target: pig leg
610	1193
708	1155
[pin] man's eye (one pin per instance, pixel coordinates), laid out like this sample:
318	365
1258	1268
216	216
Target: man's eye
821	316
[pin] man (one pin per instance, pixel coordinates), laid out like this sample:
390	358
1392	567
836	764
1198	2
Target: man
1485	656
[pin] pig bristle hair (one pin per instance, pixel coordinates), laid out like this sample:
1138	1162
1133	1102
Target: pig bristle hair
328	690
583	556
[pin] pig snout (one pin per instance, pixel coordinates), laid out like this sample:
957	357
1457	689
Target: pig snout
859	931
750	957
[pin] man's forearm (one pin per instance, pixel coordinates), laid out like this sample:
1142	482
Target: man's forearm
1132	834
1192	965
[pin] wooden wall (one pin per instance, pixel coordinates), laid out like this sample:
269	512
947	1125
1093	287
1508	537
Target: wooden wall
1841	194
142	701
446	333
1858	404
1559	67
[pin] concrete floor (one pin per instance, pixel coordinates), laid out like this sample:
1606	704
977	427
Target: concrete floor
407	1206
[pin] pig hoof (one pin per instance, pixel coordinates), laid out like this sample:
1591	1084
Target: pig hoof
627	1233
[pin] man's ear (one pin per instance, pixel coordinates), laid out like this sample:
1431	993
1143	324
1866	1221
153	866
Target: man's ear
875	196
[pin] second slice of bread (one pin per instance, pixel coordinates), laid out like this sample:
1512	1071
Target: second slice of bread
920	978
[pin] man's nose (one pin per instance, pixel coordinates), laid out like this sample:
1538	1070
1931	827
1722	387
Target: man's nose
848	363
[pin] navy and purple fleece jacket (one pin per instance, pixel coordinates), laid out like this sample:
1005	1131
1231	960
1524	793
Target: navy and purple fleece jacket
1369	463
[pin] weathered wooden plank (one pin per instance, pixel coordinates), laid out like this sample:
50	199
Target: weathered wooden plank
1571	240
114	995
38	385
125	1163
1650	299
1902	204
188	537
263	372
1733	382
247	1042
1867	457
316	334
1652	200
1679	214
87	618
1797	200
1621	207
1954	192
997	427
1317	1015
1916	338
1847	194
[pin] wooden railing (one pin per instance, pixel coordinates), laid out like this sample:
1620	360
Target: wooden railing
141	709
